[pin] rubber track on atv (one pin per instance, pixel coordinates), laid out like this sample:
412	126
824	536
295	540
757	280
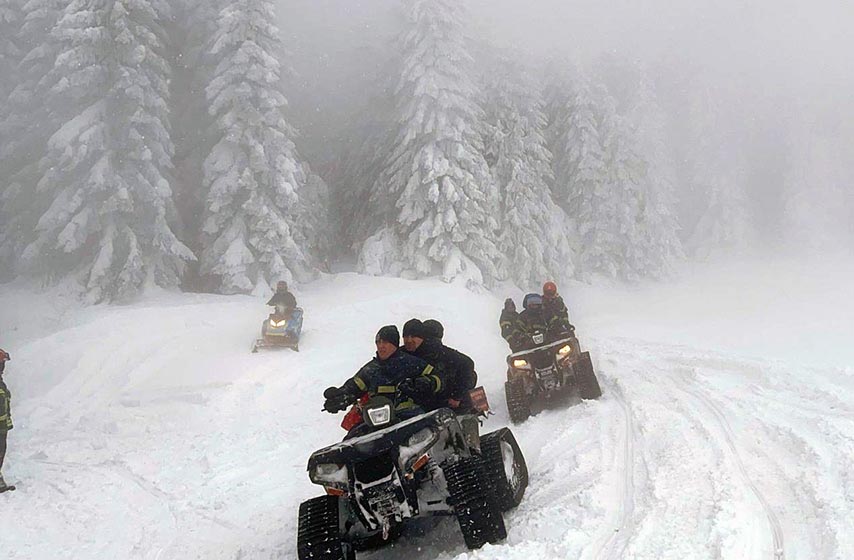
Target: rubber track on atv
319	536
477	511
518	403
490	448
588	385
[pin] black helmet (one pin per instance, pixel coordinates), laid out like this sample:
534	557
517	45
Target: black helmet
281	286
433	329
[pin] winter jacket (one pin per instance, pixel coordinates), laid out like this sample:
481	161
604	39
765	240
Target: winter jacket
557	315
454	370
519	328
383	376
513	329
5	407
285	299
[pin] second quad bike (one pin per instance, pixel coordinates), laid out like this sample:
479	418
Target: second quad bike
547	370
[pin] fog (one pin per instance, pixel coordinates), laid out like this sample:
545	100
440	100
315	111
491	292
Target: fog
780	72
709	127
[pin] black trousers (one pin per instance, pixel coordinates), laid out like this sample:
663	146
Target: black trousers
2	447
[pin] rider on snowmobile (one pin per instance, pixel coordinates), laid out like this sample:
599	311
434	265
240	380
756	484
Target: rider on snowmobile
283	300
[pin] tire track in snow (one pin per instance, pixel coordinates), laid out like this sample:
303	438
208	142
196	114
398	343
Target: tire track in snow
615	544
777	533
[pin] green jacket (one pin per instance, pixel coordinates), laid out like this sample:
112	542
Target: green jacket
5	408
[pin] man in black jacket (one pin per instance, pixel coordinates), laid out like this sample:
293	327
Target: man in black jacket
283	300
455	369
5	416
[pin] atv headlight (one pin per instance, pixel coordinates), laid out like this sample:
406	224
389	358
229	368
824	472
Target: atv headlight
564	350
520	364
420	438
417	445
379	416
330	474
278	323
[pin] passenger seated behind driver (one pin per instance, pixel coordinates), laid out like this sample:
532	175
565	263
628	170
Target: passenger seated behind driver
390	371
453	369
283	300
556	313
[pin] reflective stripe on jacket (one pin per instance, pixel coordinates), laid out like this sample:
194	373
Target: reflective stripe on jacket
5	408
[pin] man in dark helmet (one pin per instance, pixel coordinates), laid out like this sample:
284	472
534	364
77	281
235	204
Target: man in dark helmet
283	300
5	416
433	329
454	370
390	369
463	377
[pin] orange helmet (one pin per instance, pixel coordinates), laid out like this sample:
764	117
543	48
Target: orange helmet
549	289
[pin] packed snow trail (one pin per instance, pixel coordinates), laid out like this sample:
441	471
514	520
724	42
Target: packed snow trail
150	431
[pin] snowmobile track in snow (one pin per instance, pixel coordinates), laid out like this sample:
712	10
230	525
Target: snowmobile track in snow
776	529
615	544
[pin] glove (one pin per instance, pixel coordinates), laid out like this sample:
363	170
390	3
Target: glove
509	305
332	393
336	400
417	388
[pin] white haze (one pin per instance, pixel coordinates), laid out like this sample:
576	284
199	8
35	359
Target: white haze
781	71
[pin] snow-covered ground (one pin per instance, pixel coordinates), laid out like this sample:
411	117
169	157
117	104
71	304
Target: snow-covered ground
726	428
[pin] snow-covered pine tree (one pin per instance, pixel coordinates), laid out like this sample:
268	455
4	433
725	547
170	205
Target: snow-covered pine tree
369	140
313	220
107	167
817	190
662	245
619	229
717	180
251	234
435	195
533	233
583	185
27	120
192	30
11	17
11	53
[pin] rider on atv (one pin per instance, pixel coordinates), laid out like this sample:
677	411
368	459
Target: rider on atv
455	369
518	328
390	372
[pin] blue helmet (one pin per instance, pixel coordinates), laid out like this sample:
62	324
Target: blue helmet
532	300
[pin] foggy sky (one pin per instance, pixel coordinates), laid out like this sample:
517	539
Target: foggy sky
783	56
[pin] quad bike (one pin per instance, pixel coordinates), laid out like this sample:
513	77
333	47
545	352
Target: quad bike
280	330
547	370
398	470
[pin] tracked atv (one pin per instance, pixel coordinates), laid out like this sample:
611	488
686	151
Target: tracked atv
432	464
548	370
280	330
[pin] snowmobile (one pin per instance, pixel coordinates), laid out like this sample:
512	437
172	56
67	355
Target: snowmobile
280	330
547	370
399	470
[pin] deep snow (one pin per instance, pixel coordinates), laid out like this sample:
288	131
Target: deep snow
726	429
